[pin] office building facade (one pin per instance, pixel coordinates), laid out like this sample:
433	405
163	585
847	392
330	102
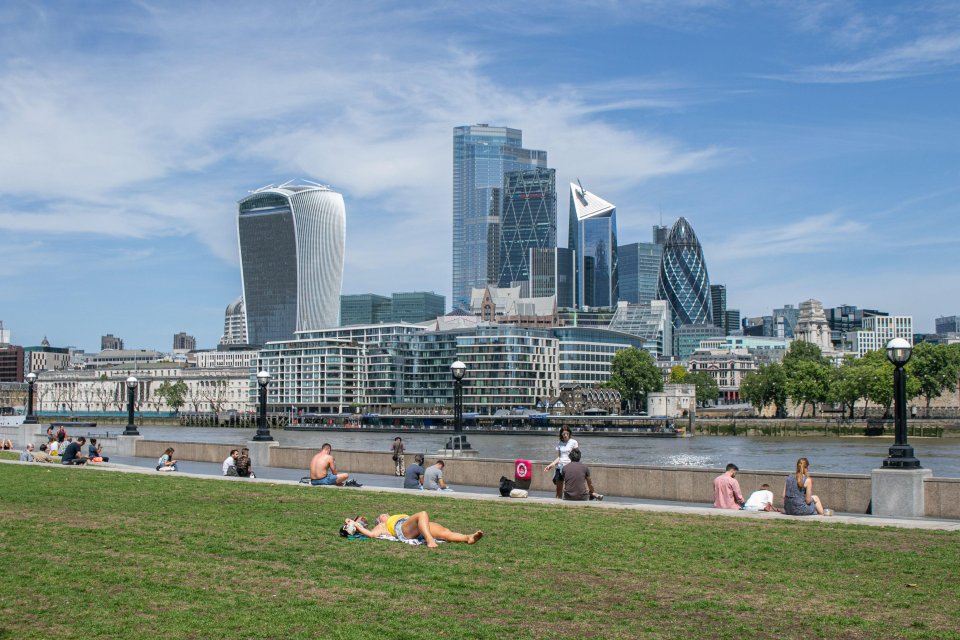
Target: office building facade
482	155
566	278
365	308
947	324
648	321
110	341
639	269
593	236
416	306
528	221
718	303
234	324
184	342
292	240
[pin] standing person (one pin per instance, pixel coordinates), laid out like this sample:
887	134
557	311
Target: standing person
577	484
564	447
166	461
61	434
230	464
73	454
433	478
413	476
244	466
726	489
798	498
27	455
323	469
398	456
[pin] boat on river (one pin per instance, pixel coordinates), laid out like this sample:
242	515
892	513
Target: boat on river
11	417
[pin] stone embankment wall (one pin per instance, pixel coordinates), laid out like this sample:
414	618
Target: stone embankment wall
841	492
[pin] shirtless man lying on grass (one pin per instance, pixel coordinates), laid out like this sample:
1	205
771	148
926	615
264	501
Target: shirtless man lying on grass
405	528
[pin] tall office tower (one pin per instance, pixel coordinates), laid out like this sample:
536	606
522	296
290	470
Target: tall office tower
542	282
660	234
234	324
639	267
731	321
417	306
593	235
4	334
365	308
528	220
684	281
481	156
109	341
718	302
184	342
292	239
566	278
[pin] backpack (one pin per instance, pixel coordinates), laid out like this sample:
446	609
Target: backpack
506	486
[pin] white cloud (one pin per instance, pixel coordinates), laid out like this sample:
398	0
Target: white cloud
816	234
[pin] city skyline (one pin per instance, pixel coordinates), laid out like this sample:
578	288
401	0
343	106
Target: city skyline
813	148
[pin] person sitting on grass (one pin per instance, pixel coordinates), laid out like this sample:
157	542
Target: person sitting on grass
166	461
27	454
42	455
95	450
407	528
73	454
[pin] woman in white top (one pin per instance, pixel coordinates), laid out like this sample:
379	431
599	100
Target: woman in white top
564	447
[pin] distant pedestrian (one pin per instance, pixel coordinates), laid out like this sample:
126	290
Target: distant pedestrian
726	489
398	456
564	447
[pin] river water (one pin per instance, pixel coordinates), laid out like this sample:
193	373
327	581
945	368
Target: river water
826	454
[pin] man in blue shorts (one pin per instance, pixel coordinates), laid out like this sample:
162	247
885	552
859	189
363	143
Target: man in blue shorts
323	470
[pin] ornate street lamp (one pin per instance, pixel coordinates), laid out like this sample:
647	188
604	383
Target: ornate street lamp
131	429
458	369
31	418
901	454
263	434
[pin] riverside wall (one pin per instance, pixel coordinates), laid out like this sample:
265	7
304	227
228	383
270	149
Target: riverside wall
849	493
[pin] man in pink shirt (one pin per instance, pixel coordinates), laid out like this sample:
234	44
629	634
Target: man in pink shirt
726	489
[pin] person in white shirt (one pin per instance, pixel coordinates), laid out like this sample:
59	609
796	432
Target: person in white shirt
564	447
230	464
761	500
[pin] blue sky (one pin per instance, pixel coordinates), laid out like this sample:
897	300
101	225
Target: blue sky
814	146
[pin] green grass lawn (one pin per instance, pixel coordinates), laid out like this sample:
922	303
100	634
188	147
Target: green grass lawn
86	553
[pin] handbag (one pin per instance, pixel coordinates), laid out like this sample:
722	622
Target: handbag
506	486
394	457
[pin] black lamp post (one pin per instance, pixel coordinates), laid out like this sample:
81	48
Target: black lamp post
131	429
31	418
901	454
263	434
458	369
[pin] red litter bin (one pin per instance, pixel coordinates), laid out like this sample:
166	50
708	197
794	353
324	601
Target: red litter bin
523	474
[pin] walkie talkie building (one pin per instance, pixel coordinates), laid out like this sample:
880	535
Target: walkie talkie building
684	282
292	240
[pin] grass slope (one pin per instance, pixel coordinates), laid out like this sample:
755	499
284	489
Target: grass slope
93	554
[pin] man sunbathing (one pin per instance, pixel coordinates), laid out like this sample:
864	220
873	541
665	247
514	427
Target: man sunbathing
407	528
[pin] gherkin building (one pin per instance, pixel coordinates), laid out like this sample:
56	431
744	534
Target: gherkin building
683	281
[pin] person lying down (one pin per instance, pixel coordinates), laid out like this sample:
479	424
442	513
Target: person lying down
411	529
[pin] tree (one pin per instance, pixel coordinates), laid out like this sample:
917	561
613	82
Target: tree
847	384
707	388
808	381
174	394
678	374
764	386
800	351
934	368
634	374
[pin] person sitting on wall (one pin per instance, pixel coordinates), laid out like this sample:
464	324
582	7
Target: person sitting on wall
726	489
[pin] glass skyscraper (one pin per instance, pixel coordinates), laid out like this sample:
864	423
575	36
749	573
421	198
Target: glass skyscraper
593	235
528	220
639	267
684	282
291	259
481	156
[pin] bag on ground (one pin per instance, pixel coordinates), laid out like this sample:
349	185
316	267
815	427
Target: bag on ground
506	486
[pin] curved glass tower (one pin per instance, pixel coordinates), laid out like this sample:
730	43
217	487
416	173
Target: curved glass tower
684	282
292	240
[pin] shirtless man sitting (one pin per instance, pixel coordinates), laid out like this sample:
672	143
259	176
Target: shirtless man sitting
323	469
417	526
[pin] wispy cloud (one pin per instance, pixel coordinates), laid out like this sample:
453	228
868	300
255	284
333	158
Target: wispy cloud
814	234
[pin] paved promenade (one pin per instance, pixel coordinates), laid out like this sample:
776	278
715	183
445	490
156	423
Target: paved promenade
384	483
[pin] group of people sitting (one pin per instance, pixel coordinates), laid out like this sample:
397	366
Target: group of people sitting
429	479
798	497
238	464
71	452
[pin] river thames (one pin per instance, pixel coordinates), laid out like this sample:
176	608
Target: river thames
826	454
